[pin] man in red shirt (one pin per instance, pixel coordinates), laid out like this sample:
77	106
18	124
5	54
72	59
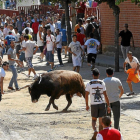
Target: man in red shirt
108	133
80	11
81	38
35	28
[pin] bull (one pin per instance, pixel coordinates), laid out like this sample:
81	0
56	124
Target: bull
55	84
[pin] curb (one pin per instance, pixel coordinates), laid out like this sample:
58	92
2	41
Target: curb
106	65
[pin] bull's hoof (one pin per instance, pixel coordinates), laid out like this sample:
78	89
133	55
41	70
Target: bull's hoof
47	109
65	110
55	107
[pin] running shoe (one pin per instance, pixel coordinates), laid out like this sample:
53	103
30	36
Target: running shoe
130	93
17	89
47	64
54	68
36	76
61	65
50	70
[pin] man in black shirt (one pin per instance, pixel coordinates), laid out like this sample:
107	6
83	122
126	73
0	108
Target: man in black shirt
126	36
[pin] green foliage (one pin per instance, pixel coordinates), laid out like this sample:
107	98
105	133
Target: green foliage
117	2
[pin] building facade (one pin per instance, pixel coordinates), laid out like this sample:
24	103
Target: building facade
129	13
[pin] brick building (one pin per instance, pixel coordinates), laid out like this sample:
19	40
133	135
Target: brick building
129	13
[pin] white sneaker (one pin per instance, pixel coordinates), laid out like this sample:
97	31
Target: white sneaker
130	93
28	76
36	76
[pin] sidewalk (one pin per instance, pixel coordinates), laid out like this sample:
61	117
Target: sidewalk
108	61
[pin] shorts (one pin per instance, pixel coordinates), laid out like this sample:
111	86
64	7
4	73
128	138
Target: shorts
18	48
29	62
98	111
41	48
49	56
22	57
91	58
0	95
64	43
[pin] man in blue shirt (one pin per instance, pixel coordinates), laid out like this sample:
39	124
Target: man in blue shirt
8	39
64	40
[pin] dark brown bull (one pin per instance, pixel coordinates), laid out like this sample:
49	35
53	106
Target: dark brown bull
55	84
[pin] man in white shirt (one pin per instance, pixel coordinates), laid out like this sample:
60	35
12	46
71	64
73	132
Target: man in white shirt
92	46
17	42
29	52
114	90
52	27
75	49
134	65
50	49
97	90
28	27
12	29
6	30
5	67
59	46
108	133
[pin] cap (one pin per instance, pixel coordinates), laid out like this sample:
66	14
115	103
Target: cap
87	19
129	52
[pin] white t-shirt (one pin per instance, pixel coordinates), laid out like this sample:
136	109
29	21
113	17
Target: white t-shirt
13	32
40	42
59	39
29	45
30	30
50	42
134	62
17	36
82	30
23	44
6	31
52	27
96	88
92	45
2	73
75	47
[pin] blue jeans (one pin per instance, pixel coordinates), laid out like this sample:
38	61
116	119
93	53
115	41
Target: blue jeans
14	78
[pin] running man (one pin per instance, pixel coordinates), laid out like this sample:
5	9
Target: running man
97	90
75	49
29	52
133	72
92	46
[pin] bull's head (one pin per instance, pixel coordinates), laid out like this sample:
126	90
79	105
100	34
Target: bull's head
34	94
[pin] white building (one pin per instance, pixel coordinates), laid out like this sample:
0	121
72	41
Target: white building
27	3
